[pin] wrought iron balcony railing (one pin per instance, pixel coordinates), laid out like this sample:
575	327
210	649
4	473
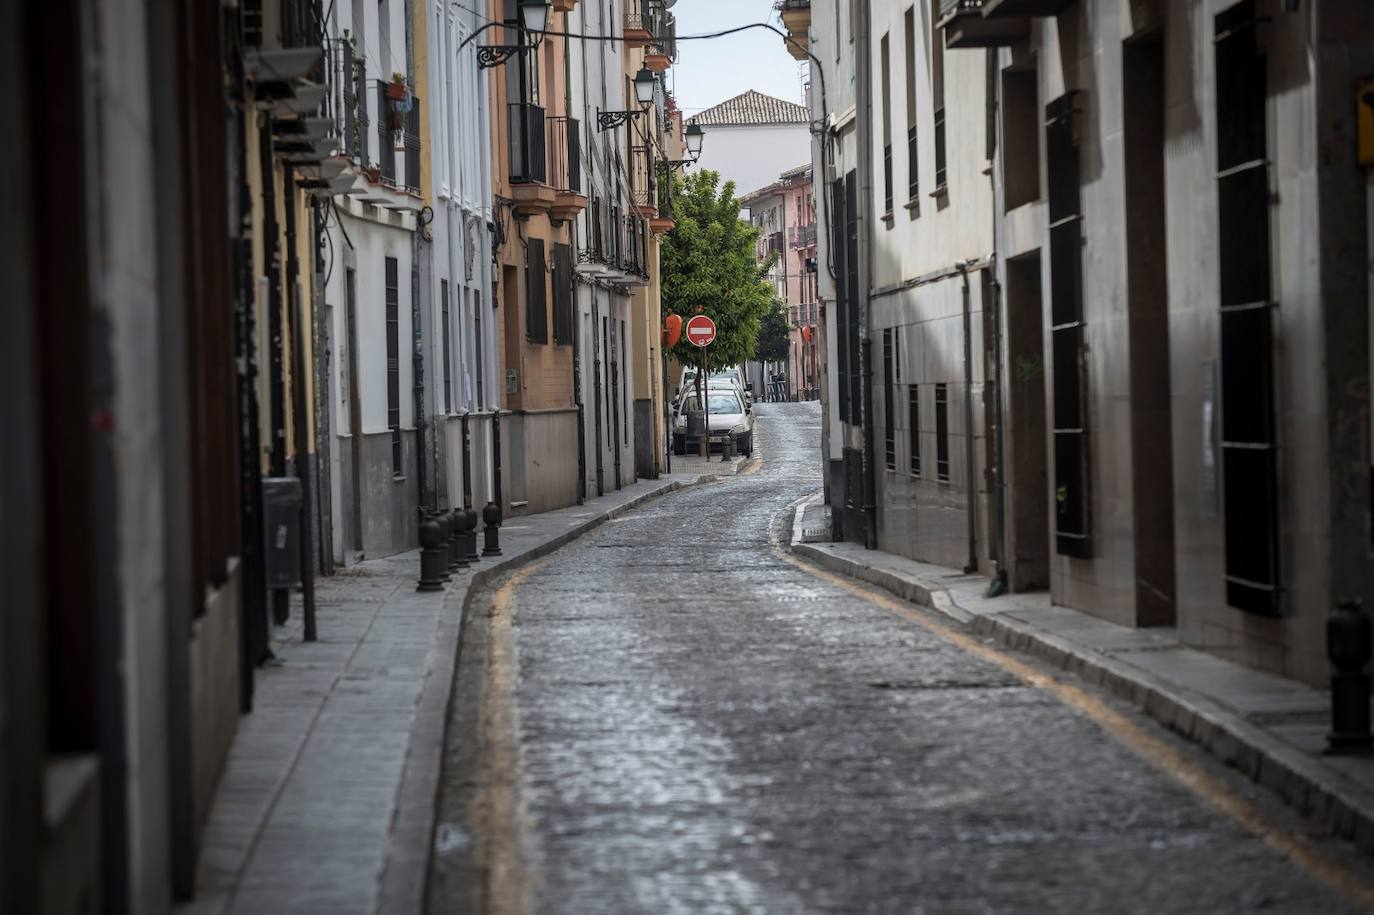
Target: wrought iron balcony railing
564	140
348	101
643	177
398	130
525	135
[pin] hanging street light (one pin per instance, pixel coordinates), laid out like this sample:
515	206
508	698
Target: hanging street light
534	18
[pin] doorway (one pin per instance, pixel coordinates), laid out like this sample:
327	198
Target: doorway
355	414
1027	434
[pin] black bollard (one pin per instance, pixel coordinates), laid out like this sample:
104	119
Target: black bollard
457	562
445	529
1348	647
432	556
467	535
492	515
727	448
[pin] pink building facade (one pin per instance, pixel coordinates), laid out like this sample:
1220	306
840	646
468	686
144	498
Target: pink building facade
785	213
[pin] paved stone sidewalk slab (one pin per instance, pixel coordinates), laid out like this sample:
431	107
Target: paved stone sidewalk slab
326	803
1270	728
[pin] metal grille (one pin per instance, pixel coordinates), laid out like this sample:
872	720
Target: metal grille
942	433
565	154
448	354
1249	439
913	420
889	411
1067	331
525	129
393	362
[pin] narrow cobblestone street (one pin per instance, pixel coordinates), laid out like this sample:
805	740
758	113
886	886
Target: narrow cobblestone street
668	715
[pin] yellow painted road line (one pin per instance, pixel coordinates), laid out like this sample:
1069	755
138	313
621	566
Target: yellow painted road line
497	807
1355	885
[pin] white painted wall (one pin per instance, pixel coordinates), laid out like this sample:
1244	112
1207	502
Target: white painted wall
754	156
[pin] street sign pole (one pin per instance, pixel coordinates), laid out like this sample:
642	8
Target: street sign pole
701	331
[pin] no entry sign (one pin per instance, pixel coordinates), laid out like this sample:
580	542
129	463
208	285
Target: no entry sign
701	330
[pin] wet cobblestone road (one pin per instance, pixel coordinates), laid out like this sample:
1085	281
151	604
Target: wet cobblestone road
669	717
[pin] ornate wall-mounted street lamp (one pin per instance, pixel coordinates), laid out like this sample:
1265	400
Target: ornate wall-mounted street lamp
694	136
534	16
644	94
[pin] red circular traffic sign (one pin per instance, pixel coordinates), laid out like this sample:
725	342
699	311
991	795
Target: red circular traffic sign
701	330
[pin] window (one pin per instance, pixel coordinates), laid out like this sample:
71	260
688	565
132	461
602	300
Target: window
393	361
536	293
448	355
562	294
841	301
942	433
477	347
913	422
1248	429
889	416
624	390
1021	132
1066	331
887	125
937	93
912	185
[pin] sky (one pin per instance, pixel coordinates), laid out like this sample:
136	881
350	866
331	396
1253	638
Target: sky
710	71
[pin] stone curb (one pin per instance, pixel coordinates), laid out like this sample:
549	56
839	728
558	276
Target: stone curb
404	875
1328	797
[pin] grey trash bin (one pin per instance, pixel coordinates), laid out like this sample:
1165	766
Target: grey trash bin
281	509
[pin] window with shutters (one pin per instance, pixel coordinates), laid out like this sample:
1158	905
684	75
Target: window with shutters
536	293
393	361
912	184
562	295
1249	441
942	433
886	68
1067	331
889	411
448	353
913	424
936	43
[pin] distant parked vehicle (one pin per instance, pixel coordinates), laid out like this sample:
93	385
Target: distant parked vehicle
732	376
731	418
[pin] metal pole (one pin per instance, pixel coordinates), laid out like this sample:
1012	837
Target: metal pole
704	383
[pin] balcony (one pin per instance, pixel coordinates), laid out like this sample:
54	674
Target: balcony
634	250
662	220
637	21
661	50
393	156
965	26
592	259
643	185
802	236
564	140
528	159
796	19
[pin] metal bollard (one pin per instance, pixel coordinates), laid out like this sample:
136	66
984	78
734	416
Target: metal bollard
727	448
492	515
467	535
1348	647
457	562
432	556
445	529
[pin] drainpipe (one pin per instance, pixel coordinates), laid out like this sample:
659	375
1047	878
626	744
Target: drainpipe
969	459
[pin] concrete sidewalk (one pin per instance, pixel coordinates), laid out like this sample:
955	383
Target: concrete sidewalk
1270	728
327	801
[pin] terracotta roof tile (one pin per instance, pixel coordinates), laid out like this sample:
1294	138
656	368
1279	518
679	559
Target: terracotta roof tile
749	108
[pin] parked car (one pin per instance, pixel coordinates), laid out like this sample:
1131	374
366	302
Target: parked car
731	376
730	418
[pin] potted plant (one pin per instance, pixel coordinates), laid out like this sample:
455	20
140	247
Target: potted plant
396	90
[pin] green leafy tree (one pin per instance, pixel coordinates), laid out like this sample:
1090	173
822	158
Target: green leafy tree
708	267
775	336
